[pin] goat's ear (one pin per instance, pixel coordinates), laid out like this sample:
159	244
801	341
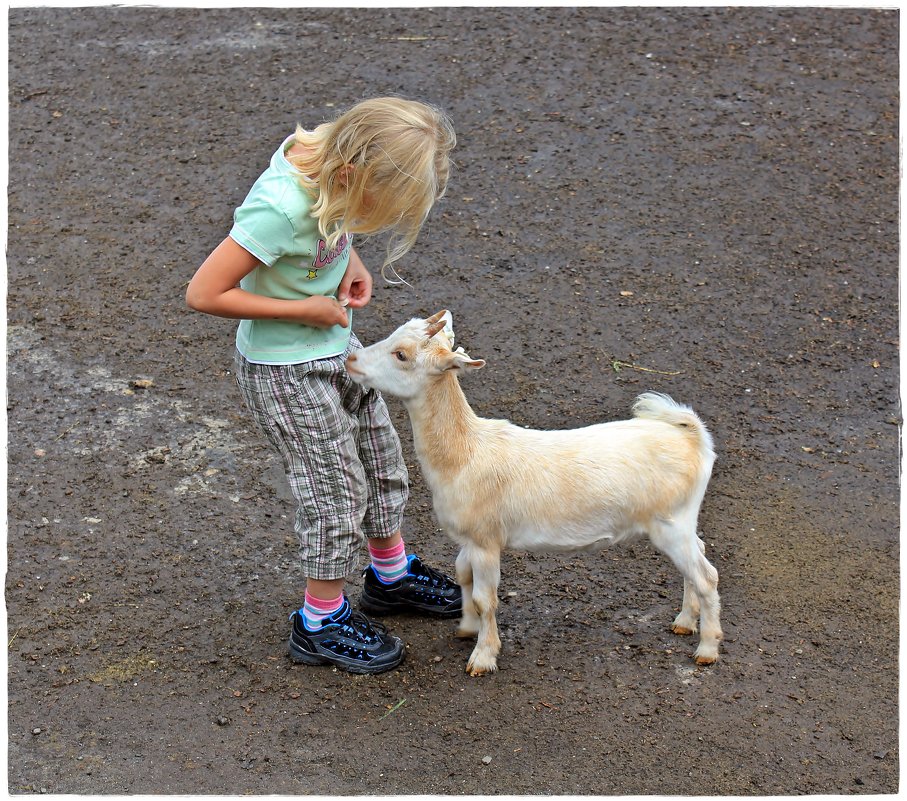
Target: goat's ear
448	328
458	360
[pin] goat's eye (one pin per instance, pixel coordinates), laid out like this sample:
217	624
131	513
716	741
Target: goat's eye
401	356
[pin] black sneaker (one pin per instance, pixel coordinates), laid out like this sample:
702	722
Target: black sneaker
422	590
348	640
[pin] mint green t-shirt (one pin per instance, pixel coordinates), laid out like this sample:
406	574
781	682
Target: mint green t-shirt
275	225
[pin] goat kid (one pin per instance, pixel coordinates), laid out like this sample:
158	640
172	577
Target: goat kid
496	485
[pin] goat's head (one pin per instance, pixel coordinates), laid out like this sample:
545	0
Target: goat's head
411	358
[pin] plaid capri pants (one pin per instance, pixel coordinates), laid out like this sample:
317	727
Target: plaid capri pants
341	455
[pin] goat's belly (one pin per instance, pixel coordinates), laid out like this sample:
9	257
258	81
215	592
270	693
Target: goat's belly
536	538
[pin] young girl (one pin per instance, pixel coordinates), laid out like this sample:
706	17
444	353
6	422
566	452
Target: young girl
289	273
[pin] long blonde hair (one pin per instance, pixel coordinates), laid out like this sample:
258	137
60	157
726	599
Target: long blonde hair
380	166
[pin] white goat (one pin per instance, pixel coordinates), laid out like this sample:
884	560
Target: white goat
496	485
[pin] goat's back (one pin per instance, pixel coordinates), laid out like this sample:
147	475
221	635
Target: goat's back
624	471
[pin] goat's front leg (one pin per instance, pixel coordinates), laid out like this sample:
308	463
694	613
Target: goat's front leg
486	574
469	622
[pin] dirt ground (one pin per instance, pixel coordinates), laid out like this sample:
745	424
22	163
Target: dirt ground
697	201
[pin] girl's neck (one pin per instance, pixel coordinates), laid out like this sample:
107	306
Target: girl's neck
299	152
297	149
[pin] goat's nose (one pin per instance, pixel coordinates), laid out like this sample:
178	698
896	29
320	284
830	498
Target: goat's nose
351	358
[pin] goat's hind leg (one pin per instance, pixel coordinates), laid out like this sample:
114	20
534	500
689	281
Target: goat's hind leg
687	622
678	540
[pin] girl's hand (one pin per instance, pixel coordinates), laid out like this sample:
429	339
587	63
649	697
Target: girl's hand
320	311
356	285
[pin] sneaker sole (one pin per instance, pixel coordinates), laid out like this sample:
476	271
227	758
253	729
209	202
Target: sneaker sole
380	609
299	656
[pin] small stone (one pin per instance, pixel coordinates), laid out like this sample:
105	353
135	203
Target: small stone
222	721
486	760
36	731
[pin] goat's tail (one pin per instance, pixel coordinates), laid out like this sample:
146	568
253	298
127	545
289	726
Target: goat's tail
658	406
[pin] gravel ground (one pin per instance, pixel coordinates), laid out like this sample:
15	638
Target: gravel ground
697	201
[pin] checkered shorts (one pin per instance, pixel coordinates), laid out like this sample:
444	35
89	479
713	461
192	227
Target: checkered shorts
341	454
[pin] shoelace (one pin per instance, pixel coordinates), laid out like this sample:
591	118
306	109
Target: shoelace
360	626
437	578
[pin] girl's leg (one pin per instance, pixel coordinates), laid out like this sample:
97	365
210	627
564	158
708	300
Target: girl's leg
388	556
323	599
299	410
386	477
325	590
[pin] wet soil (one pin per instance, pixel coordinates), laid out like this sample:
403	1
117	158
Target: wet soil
701	201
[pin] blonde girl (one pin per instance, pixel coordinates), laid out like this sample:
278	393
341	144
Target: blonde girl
289	273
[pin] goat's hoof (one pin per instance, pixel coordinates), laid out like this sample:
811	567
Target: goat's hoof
705	658
481	665
683	631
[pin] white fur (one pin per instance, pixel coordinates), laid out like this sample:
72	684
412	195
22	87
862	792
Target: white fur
496	485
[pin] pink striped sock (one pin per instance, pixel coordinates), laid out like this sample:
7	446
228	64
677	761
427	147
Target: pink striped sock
317	609
390	564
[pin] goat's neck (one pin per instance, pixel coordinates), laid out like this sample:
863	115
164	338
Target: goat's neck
444	425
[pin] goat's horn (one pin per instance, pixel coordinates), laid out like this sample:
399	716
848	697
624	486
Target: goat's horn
435	317
434	328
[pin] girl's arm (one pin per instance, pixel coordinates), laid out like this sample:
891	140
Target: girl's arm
213	290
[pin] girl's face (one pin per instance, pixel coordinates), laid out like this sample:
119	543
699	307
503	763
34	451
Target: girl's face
368	202
364	211
376	205
347	176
